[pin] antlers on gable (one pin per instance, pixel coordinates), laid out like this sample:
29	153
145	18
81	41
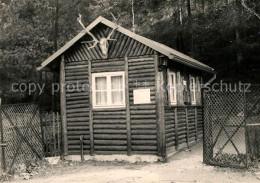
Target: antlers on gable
103	42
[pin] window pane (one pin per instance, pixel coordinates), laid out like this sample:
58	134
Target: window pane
173	80
173	95
116	82
101	83
101	98
117	97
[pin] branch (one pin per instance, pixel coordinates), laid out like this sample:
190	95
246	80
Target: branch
250	10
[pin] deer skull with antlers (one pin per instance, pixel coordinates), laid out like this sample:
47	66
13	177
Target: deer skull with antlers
103	42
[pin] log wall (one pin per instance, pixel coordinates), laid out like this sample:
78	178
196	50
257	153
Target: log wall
187	129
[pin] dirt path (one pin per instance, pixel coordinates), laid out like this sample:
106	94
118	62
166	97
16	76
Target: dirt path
183	167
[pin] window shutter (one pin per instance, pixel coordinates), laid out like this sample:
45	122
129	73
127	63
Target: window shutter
198	91
179	89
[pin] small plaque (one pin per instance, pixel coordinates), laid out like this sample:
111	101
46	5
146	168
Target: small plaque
142	96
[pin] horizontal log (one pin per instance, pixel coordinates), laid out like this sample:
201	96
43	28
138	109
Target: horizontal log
81	110
78	123
73	133
114	126
77	78
76	137
109	137
79	73
143	107
110	148
143	71
76	67
107	64
149	62
78	102
143	116
110	142
144	142
109	131
130	60
108	69
77	94
142	112
109	117
110	121
143	132
76	70
144	148
141	126
77	142
144	137
80	114
77	106
143	121
84	62
109	113
77	147
84	119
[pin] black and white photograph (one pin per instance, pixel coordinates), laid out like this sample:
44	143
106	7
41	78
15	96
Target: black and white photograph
129	91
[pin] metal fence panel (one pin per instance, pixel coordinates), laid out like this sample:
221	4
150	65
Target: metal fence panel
230	134
21	131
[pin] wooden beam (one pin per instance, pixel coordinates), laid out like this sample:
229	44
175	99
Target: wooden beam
176	129
161	139
196	124
187	127
128	119
90	111
63	106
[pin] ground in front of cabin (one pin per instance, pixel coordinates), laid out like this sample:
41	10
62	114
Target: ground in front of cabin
185	166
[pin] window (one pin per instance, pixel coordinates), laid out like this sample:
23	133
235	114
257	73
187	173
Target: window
108	90
193	89
172	84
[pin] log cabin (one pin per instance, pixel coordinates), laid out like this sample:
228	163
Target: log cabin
133	96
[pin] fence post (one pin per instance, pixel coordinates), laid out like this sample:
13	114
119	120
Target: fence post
3	163
245	126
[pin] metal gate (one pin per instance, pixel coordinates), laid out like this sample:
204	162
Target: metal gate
21	138
231	127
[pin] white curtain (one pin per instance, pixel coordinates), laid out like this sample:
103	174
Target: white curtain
101	90
117	89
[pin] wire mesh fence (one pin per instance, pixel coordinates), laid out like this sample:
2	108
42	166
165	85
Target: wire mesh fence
231	127
21	132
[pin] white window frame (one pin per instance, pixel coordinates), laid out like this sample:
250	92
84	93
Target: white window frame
108	76
193	89
172	98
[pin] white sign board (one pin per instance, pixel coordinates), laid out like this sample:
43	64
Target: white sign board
142	96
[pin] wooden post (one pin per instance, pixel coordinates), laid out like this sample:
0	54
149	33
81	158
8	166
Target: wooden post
90	110
128	119
196	124
187	127
176	129
58	132
53	132
81	138
160	110
63	106
3	163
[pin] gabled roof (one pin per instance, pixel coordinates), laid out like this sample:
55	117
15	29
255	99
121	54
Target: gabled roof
163	49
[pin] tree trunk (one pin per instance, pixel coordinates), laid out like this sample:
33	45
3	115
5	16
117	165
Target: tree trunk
188	8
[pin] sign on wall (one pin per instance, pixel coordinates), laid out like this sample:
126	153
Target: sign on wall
142	96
